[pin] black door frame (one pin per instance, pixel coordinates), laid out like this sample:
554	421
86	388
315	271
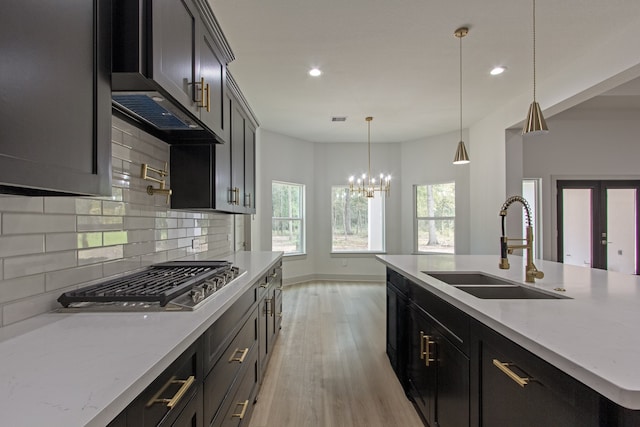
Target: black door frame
598	216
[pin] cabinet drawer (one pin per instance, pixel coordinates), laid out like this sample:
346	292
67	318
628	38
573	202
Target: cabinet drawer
165	398
216	339
238	407
450	322
518	388
225	371
191	415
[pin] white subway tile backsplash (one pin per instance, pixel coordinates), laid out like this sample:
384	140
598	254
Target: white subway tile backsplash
48	244
13	223
21	204
22	287
59	279
104	254
21	245
34	264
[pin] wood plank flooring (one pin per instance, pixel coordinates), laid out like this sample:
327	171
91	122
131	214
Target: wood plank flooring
329	367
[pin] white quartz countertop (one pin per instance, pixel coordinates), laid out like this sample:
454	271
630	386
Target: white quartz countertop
594	336
83	369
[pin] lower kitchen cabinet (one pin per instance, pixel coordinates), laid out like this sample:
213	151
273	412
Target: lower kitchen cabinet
521	389
216	380
438	374
397	304
462	373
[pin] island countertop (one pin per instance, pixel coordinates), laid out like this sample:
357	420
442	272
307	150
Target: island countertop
592	335
83	369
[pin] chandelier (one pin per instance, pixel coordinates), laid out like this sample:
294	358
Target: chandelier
366	185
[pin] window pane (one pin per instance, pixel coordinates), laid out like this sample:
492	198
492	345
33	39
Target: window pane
286	236
436	200
287	233
357	222
436	235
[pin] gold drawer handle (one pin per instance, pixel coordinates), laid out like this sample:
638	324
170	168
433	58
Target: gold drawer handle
240	359
425	349
244	405
504	367
170	403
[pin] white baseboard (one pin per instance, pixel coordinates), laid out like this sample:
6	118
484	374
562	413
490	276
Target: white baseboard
334	278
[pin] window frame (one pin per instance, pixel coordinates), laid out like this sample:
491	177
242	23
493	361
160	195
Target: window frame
383	230
301	219
416	218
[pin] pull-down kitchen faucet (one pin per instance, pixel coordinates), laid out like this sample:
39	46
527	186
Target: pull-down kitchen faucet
531	273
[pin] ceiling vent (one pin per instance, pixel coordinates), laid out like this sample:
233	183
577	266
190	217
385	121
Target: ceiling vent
339	118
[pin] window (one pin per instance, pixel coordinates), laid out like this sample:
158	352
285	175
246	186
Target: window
435	218
357	223
287	223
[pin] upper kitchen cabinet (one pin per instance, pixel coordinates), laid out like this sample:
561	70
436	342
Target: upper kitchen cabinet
219	177
55	97
169	69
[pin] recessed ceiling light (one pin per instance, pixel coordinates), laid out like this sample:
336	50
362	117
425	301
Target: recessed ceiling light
315	72
498	70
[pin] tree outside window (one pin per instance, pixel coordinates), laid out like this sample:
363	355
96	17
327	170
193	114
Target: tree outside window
357	222
287	223
435	218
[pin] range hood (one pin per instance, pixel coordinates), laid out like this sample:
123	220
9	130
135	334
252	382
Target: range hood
144	90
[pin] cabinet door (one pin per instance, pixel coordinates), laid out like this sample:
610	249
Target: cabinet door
547	398
422	366
452	390
223	162
249	168
212	75
237	157
176	30
55	97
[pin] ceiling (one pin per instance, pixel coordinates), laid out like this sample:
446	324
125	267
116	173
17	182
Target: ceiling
398	61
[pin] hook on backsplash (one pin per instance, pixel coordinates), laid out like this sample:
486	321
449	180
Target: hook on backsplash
151	190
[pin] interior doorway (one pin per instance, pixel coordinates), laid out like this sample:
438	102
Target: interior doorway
598	224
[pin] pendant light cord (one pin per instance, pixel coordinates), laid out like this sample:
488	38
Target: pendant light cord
460	88
534	50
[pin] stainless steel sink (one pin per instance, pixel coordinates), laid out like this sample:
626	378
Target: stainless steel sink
470	278
488	287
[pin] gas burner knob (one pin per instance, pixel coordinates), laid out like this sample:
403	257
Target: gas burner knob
197	295
210	286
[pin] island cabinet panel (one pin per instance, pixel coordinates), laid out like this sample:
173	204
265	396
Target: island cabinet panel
55	97
438	373
397	314
270	303
518	388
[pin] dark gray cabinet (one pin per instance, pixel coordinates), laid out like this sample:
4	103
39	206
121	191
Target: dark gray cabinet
55	101
169	69
462	373
397	320
219	177
270	300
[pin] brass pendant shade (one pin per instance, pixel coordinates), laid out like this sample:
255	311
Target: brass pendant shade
461	157
535	123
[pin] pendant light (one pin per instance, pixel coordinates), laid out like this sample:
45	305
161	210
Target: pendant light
534	123
461	156
366	185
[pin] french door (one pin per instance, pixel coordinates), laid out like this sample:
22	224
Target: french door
598	224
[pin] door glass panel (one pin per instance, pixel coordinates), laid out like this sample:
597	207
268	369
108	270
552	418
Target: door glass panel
621	230
576	226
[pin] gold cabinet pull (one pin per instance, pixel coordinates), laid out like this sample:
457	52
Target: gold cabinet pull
504	367
237	196
205	96
170	403
243	411
240	359
207	91
425	349
267	307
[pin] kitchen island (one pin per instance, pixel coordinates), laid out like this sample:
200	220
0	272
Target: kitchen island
589	332
83	369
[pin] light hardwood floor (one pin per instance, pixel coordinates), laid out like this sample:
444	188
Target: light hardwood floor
329	367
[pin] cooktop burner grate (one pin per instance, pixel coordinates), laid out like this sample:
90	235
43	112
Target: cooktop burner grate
159	283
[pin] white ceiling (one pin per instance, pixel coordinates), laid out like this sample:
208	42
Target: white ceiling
398	60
